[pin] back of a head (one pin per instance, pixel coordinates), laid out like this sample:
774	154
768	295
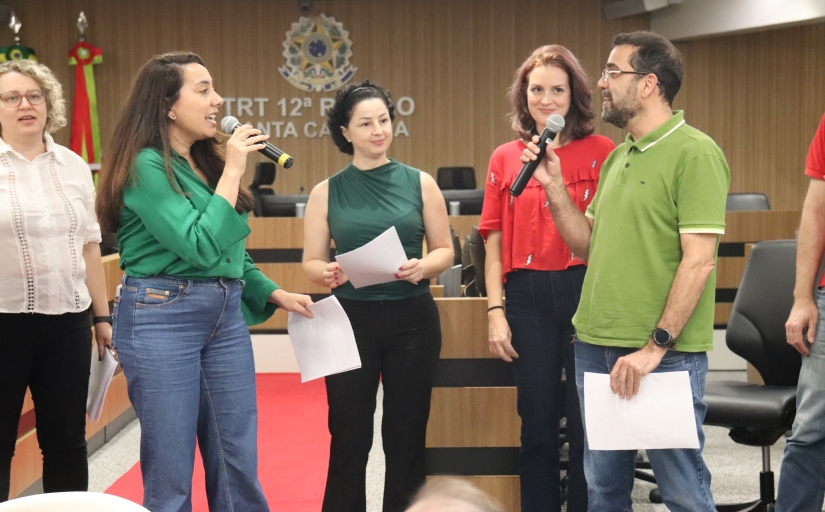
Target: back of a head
450	494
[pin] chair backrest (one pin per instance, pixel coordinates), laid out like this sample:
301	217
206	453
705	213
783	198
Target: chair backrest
740	202
456	178
264	175
281	205
472	201
456	246
478	255
71	502
756	328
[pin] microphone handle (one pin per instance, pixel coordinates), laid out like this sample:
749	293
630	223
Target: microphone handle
277	155
271	152
529	168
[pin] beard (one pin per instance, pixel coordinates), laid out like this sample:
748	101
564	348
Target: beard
619	113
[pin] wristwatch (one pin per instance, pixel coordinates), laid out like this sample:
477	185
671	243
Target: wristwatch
663	338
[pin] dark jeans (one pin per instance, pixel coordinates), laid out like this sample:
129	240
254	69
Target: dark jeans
540	307
49	354
399	342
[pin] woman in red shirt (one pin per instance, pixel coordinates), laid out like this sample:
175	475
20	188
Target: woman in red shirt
527	259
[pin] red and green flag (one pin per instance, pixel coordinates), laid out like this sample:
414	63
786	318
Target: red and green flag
85	139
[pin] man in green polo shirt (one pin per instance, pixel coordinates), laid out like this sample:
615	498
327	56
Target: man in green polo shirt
650	237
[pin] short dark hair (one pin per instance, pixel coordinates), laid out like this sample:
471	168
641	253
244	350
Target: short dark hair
655	54
345	101
578	123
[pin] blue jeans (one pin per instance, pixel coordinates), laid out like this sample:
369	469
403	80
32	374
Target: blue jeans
540	308
802	476
187	356
682	476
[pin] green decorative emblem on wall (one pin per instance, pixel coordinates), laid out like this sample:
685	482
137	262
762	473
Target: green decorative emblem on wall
317	52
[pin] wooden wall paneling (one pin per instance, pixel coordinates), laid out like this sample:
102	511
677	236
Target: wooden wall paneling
275	233
290	277
473	417
760	225
729	272
463	327
455	62
755	95
722	313
112	274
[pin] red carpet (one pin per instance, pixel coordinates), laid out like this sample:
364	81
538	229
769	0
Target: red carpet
293	448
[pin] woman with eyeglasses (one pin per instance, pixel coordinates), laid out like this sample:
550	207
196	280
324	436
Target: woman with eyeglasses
51	278
528	261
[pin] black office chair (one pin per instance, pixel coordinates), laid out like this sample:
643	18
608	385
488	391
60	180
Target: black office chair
478	255
280	205
468	272
264	175
471	201
456	246
758	415
456	178
742	202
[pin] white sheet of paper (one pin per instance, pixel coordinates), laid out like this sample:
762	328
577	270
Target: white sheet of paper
102	372
376	262
659	416
323	345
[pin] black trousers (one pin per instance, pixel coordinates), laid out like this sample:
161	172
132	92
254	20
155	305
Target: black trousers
49	354
399	342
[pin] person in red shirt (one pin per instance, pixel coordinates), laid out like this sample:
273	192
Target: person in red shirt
527	259
802	480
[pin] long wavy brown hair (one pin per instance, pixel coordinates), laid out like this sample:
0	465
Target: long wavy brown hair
578	123
143	124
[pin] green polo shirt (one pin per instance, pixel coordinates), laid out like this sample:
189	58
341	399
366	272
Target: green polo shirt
673	180
198	235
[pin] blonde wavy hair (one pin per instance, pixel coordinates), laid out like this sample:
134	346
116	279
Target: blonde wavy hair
55	104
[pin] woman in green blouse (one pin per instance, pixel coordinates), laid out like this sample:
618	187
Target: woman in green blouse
190	289
396	324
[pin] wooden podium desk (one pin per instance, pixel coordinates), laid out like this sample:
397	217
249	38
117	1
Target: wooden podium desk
276	246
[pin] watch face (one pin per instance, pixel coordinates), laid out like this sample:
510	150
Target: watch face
661	337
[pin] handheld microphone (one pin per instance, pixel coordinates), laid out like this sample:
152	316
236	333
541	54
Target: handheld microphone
555	124
229	124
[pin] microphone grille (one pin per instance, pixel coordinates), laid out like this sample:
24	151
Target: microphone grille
228	124
555	123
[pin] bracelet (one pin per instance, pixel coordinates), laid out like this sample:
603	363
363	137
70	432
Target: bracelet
494	307
101	319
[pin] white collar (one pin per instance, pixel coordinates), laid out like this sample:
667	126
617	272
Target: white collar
51	147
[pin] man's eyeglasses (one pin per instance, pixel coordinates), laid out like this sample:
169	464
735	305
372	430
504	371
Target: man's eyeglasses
608	72
12	99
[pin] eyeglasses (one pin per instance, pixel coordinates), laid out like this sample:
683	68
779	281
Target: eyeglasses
12	99
608	72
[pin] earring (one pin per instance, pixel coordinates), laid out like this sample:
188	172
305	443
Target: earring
172	116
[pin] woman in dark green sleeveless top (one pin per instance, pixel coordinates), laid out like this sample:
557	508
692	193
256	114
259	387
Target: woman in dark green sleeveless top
396	324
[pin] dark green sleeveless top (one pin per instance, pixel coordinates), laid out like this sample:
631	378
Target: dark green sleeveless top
364	204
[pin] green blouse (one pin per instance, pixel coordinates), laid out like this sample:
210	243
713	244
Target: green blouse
194	236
